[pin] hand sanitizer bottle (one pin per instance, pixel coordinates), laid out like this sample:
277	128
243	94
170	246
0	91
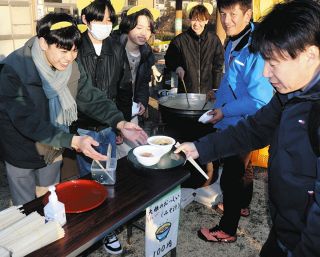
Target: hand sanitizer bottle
54	210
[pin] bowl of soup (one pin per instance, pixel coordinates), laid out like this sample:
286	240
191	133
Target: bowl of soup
164	143
148	155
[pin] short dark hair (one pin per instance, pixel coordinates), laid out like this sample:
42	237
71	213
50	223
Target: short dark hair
200	12
64	38
129	22
244	4
96	10
288	28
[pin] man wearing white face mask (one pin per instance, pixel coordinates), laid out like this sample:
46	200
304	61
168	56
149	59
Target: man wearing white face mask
99	32
105	61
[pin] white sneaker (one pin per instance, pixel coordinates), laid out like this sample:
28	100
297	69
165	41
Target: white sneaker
111	244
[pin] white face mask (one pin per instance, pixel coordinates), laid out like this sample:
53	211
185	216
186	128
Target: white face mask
100	31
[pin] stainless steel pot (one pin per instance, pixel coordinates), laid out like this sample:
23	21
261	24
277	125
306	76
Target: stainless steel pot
178	104
181	119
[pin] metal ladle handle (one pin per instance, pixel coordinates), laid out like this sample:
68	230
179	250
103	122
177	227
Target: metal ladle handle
185	90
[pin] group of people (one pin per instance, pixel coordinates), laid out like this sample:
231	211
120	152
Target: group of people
64	89
197	57
288	39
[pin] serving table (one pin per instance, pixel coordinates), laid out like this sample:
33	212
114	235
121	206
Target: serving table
131	195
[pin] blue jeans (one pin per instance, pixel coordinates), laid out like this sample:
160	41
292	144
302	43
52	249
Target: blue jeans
104	138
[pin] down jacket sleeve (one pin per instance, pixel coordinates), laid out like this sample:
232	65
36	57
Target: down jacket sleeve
93	102
125	93
173	57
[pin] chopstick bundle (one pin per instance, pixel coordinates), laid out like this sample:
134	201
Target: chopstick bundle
20	228
10	216
29	234
44	235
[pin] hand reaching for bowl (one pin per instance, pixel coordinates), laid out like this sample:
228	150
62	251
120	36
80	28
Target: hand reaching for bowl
84	144
132	132
189	149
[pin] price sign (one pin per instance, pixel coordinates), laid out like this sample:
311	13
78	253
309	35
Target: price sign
162	223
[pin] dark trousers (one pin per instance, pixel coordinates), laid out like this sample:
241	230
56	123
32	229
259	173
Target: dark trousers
237	186
271	247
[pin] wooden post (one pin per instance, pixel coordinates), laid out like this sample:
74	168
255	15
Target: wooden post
178	21
219	30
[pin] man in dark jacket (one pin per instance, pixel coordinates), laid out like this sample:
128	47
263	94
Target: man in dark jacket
41	89
105	60
196	55
288	39
135	30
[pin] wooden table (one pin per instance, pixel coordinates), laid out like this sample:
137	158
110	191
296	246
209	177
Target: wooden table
133	193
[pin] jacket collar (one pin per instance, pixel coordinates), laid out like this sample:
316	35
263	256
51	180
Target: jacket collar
88	48
245	40
201	36
145	50
313	94
30	73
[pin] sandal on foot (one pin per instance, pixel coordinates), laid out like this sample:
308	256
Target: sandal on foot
216	236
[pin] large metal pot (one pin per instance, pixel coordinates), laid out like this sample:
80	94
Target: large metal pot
181	119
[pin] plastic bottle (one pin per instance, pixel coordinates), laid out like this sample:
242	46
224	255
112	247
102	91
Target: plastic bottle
55	210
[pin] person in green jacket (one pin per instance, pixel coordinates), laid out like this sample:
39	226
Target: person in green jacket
42	89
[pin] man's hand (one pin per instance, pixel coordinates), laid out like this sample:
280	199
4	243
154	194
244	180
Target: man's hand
217	115
180	71
119	140
142	109
189	149
132	132
211	95
84	144
156	75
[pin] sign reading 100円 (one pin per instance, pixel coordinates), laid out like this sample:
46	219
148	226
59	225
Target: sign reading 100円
162	222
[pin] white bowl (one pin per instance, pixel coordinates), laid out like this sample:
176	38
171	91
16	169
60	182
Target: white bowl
148	155
163	142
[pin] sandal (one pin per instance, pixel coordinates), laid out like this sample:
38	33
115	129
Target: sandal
215	235
244	212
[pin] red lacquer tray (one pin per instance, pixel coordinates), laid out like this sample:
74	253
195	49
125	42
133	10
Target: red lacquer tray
79	195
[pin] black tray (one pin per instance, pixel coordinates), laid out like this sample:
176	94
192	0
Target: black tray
168	162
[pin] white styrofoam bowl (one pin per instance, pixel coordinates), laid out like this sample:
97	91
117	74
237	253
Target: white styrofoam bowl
165	147
141	151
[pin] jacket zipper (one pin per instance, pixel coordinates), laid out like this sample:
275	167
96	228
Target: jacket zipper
199	64
309	203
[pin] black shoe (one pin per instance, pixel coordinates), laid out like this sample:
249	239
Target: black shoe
111	244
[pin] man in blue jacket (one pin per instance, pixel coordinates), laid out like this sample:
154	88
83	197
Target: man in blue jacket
289	40
243	90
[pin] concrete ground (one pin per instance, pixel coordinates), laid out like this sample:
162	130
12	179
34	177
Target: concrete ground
252	231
